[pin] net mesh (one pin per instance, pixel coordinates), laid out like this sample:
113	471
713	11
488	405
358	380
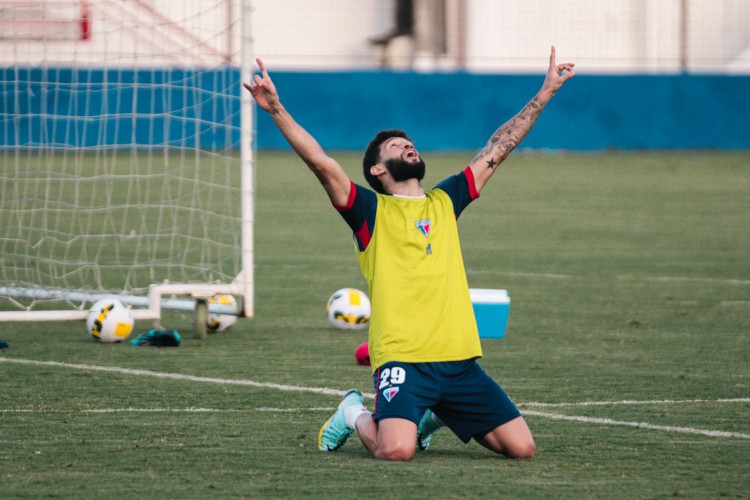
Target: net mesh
119	164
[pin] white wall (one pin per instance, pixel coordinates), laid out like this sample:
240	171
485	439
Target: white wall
499	35
318	33
608	36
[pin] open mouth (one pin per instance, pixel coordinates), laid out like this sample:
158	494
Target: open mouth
411	154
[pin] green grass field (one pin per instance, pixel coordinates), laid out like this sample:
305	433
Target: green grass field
628	349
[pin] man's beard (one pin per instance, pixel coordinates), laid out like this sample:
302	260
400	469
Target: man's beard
402	170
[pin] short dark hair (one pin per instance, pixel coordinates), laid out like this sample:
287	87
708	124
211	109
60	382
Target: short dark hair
372	155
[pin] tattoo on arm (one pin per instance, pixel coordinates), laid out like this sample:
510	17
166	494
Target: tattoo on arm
509	135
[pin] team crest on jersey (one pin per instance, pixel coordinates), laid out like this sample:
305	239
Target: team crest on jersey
424	227
390	393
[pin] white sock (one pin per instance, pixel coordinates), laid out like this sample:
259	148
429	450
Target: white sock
352	413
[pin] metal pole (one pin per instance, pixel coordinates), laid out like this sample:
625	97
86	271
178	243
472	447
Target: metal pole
461	33
247	163
683	36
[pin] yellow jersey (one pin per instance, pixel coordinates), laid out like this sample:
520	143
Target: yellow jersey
412	261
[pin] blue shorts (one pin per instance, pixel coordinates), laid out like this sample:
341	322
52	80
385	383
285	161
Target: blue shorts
461	393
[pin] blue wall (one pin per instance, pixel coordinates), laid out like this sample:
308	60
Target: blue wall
461	111
173	107
343	110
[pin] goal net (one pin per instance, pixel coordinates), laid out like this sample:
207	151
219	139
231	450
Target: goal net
125	155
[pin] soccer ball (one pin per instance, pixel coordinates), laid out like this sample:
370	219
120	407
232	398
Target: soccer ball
349	309
221	322
109	321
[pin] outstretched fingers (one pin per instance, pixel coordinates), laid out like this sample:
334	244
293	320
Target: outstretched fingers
563	71
257	82
262	89
261	66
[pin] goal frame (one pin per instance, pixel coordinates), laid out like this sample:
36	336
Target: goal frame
195	296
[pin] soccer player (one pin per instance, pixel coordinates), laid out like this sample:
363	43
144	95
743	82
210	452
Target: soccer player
423	337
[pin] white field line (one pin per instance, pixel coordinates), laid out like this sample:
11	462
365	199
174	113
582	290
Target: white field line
639	425
334	392
174	376
520	274
166	410
119	410
633	402
725	281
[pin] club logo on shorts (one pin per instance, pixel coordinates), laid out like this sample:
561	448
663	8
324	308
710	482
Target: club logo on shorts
424	227
390	393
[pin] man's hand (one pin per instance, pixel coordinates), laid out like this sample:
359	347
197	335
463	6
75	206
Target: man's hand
511	133
557	74
330	174
263	90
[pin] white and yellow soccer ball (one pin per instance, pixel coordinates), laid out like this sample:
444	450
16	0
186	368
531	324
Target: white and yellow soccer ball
109	321
349	309
221	322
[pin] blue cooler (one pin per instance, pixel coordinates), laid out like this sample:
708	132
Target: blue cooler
491	309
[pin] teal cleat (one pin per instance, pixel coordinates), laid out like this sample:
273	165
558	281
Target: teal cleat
427	427
335	432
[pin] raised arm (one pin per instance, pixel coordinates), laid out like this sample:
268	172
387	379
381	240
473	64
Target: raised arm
330	174
510	134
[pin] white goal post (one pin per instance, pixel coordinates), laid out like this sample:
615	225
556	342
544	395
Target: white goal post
126	156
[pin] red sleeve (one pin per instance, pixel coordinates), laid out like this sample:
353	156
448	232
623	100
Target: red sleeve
359	213
473	193
350	201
